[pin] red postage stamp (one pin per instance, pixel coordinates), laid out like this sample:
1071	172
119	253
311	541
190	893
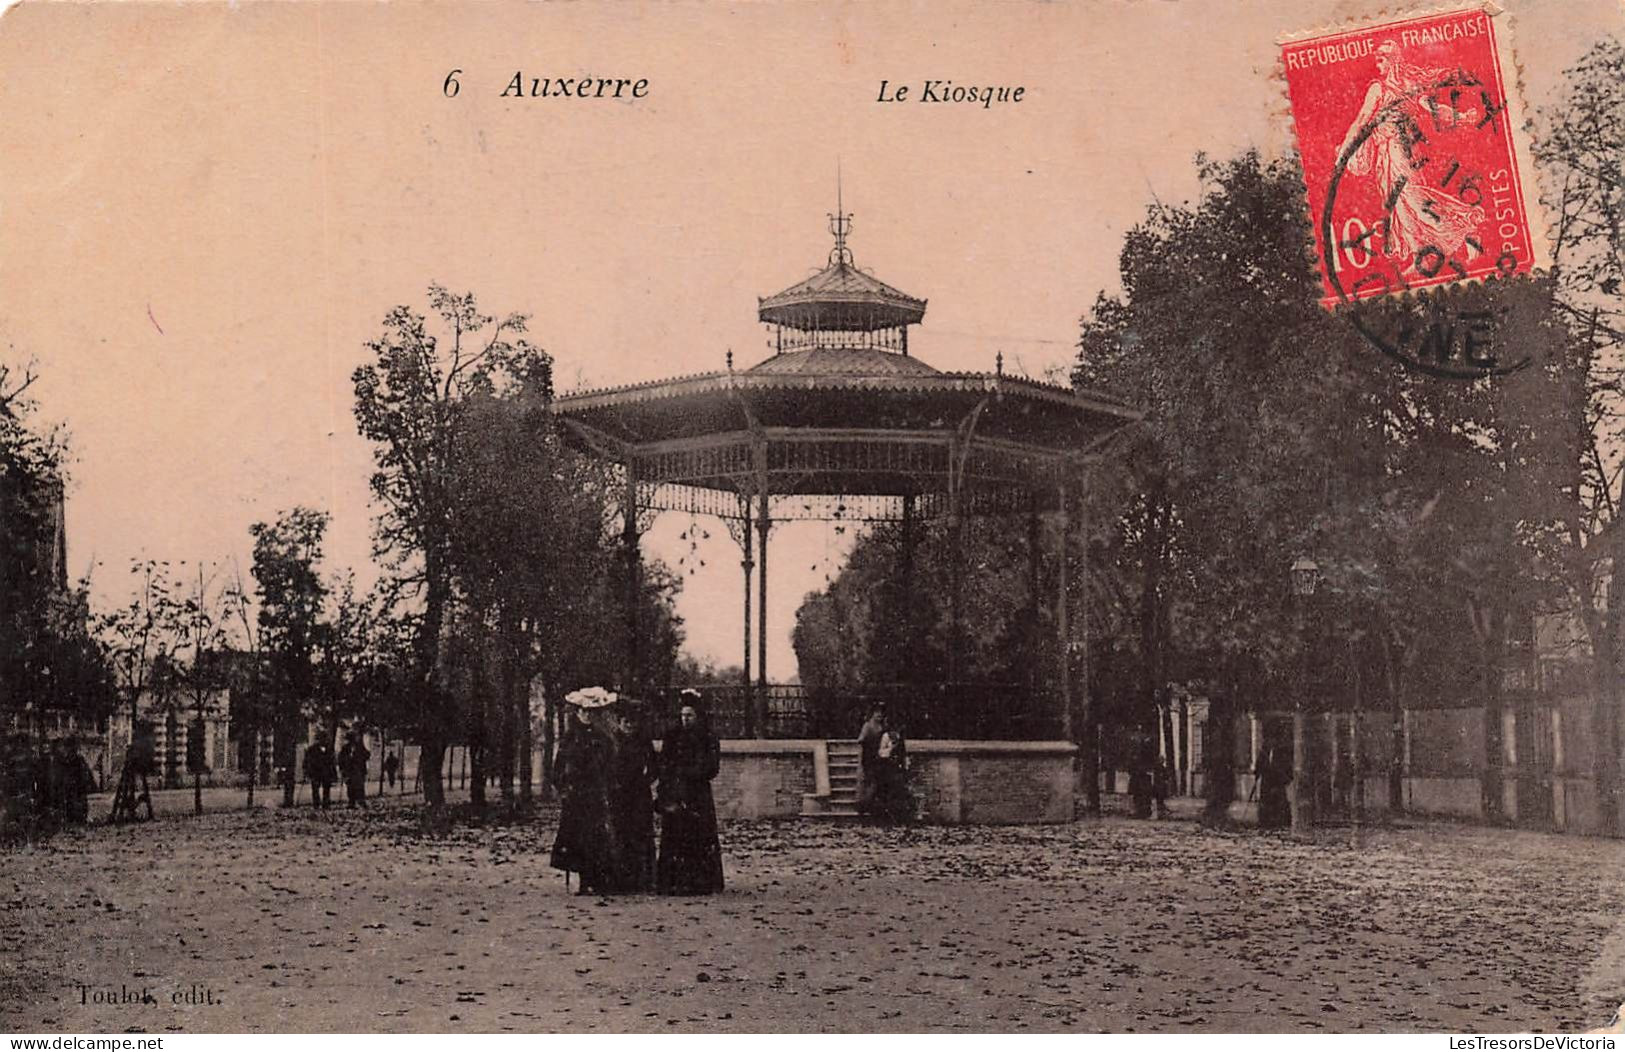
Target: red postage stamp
1414	154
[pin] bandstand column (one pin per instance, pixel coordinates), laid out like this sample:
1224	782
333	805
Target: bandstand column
746	564
955	560
759	710
910	643
1062	629
1088	733
629	542
1035	592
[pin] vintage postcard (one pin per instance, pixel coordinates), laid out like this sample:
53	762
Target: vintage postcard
891	517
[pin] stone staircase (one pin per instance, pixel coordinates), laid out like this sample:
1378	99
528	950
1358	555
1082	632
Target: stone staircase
839	799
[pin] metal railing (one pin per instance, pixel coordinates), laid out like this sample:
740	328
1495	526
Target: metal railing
974	711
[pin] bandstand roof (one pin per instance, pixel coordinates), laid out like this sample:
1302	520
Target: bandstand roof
858	421
841	297
846	412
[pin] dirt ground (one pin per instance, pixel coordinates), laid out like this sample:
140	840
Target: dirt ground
359	921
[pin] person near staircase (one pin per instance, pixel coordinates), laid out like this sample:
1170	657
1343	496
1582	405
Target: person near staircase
690	851
893	803
869	759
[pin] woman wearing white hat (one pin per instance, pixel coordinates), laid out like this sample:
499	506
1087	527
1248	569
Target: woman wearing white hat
585	843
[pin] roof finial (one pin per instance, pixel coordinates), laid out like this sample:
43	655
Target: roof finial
840	224
730	360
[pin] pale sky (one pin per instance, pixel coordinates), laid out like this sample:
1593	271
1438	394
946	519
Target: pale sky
206	210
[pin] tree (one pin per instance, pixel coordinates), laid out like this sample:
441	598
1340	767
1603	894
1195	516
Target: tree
141	637
201	619
537	592
1273	433
352	677
410	402
249	704
291	599
1582	140
869	627
48	656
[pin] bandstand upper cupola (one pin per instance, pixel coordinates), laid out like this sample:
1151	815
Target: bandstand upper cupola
841	307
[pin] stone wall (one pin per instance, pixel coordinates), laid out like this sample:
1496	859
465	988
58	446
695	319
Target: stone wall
991	783
764	779
953	781
1546	764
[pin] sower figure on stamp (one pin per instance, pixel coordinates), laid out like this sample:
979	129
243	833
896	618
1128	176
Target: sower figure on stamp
1419	216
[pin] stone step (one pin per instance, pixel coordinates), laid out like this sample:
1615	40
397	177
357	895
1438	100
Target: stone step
813	806
845	759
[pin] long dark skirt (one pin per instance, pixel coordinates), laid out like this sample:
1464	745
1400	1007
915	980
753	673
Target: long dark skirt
631	836
891	800
690	853
582	845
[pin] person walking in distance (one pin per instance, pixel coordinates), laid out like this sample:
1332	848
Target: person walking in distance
353	764
319	773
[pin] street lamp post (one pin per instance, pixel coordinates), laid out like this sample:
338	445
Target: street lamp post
1305	578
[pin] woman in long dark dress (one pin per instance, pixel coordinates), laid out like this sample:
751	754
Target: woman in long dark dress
690	853
632	770
581	773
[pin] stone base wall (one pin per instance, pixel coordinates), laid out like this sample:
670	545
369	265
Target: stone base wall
763	779
973	782
993	783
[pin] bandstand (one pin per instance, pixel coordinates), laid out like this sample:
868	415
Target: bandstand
842	423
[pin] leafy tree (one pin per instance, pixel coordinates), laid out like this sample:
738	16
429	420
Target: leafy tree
497	542
250	678
140	638
869	627
1580	145
48	657
411	402
291	601
201	665
353	675
1273	432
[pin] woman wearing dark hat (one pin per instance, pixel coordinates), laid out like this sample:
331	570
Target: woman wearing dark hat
581	773
690	853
